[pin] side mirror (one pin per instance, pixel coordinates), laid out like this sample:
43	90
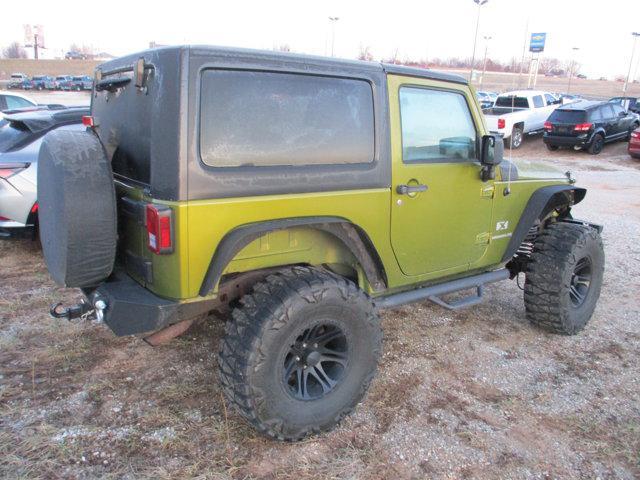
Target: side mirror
491	155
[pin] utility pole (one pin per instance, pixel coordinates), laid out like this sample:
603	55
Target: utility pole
524	51
475	38
484	63
333	21
633	51
575	49
35	46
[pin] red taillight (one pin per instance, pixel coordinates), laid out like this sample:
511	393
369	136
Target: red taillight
548	126
34	209
635	134
9	172
583	127
88	121
501	123
159	229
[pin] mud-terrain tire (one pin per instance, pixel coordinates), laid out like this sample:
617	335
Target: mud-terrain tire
273	335
564	277
77	208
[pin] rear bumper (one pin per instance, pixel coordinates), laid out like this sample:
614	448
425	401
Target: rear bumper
634	147
132	309
558	141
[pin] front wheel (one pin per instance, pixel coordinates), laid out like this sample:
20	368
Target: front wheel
299	352
552	148
517	136
564	277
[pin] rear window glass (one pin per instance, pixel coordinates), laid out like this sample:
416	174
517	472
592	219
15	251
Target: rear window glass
567	116
538	102
510	100
12	134
269	119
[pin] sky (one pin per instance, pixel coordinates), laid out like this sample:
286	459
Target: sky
415	29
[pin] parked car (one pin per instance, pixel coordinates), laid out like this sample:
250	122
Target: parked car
485	100
628	103
588	125
581	76
18	81
84	82
306	194
41	82
73	55
60	81
520	113
21	135
12	101
566	98
634	144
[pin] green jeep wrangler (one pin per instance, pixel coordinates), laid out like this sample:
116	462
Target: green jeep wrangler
303	194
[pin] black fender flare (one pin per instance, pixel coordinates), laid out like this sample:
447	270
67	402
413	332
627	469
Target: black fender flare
352	236
541	203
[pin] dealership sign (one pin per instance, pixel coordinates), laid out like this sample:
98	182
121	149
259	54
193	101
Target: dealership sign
537	42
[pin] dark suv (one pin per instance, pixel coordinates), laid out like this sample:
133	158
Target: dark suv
588	125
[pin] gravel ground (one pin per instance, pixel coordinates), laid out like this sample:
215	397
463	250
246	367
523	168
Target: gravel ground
472	394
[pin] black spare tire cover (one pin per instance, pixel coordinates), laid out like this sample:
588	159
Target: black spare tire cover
77	208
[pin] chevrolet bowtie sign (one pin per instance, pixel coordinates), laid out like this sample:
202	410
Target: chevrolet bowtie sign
537	42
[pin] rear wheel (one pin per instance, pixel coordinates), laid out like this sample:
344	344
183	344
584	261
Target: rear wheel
517	136
300	352
597	144
564	277
552	148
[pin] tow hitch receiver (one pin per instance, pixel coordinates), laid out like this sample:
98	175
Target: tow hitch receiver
81	310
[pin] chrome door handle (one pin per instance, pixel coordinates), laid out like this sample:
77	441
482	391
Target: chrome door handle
407	189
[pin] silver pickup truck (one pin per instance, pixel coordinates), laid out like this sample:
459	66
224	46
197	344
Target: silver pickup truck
518	113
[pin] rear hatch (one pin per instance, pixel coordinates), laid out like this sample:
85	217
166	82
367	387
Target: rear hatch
136	110
563	122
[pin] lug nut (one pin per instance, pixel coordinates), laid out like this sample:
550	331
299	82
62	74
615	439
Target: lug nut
315	345
304	345
297	359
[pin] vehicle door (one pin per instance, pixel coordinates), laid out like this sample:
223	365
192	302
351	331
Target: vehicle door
441	210
539	113
608	121
623	120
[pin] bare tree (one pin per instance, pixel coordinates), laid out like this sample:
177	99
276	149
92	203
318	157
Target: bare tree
365	54
14	50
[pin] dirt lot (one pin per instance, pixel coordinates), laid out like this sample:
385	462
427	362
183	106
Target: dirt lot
471	394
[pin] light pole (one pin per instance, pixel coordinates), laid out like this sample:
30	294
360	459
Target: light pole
575	49
484	63
633	51
475	38
333	21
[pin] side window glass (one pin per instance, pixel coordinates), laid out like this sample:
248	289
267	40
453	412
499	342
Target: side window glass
16	102
607	112
595	115
436	126
617	109
550	99
538	102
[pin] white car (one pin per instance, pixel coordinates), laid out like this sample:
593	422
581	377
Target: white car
516	114
20	137
13	101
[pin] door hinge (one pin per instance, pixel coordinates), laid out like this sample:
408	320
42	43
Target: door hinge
487	191
483	238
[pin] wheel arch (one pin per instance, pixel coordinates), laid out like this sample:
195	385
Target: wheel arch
540	204
352	238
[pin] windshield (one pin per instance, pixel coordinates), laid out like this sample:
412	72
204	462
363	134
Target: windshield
61	78
77	79
12	134
16	77
511	101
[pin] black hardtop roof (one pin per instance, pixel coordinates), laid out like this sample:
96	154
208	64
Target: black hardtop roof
582	105
45	119
315	60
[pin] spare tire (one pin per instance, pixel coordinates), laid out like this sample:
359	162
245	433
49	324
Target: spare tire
77	208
